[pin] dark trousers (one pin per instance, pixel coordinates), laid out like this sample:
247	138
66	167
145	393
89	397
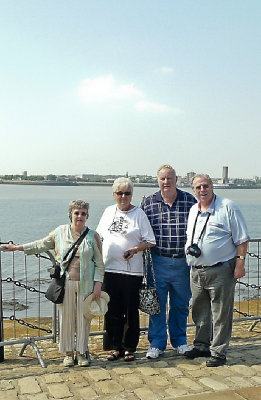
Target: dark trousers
213	291
121	321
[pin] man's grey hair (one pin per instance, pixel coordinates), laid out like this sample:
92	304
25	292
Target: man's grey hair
166	166
122	182
74	204
205	176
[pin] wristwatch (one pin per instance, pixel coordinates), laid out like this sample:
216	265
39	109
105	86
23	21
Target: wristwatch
241	257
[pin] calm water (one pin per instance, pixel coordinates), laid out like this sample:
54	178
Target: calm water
31	212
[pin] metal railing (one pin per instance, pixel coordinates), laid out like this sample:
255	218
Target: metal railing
25	315
24	280
248	289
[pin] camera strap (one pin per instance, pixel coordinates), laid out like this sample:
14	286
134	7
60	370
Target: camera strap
203	229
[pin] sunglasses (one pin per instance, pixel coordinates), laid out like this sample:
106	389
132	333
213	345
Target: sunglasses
122	193
82	213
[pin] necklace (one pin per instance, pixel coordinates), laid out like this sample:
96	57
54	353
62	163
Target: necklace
125	211
119	222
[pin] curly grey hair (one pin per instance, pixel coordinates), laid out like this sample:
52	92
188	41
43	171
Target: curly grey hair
122	182
77	204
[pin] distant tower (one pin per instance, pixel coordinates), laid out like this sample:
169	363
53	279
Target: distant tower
127	174
225	175
24	173
190	176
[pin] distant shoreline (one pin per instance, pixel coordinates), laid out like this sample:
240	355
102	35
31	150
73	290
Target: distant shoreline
140	184
50	183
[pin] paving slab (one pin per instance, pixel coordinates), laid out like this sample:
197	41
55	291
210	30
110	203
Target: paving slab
59	390
253	393
28	385
213	384
225	395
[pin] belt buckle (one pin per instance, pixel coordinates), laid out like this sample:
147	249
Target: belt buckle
180	255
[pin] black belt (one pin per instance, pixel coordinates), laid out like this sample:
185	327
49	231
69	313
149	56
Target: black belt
159	253
208	266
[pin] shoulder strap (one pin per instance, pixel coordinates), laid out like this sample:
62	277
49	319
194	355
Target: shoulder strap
148	264
91	236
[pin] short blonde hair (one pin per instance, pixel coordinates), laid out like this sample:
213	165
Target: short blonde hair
166	166
77	204
122	182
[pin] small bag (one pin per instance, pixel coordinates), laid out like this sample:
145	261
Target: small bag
148	297
149	301
55	291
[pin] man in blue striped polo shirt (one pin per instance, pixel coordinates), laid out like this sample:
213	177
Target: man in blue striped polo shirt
168	211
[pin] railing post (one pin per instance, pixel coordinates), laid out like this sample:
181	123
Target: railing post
54	323
2	358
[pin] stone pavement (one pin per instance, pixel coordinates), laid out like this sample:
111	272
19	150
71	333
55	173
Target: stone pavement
169	377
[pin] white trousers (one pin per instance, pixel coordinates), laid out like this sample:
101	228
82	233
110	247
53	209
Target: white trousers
74	327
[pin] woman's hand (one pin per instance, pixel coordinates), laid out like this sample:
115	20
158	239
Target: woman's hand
130	253
12	247
96	291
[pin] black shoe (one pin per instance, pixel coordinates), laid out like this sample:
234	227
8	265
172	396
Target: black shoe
194	353
216	361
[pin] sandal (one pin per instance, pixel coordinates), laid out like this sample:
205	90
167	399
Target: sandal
129	356
114	356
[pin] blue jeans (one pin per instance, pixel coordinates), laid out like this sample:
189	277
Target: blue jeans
173	280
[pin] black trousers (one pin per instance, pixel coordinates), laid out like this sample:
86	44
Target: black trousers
121	322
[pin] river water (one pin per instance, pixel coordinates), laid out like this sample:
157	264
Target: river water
29	212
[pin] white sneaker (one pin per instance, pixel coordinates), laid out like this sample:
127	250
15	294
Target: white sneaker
82	360
182	349
153	352
68	360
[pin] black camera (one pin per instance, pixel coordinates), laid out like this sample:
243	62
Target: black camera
194	250
126	254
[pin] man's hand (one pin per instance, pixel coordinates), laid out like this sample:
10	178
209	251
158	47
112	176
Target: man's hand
239	269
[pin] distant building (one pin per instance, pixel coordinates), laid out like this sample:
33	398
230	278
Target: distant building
190	176
84	177
225	175
24	173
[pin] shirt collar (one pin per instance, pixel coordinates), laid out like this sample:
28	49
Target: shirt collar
159	197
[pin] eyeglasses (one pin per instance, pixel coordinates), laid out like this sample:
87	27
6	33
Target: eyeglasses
82	213
122	193
201	186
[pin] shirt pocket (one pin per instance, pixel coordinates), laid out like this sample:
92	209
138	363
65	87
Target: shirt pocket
216	225
216	229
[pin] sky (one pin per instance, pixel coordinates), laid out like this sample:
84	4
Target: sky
109	86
